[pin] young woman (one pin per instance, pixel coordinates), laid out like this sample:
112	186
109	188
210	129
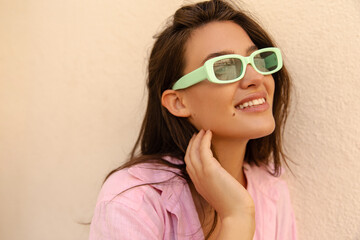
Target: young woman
210	144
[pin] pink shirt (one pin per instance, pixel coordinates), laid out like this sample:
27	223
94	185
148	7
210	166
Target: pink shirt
167	211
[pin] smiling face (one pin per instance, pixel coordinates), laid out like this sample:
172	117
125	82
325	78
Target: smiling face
240	110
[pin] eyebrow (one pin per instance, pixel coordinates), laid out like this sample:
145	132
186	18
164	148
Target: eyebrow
249	50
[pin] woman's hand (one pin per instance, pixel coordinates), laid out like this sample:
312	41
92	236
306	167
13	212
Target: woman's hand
222	191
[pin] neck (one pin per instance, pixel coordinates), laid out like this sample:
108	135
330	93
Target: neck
231	156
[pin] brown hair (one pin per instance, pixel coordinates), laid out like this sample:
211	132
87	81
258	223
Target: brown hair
163	134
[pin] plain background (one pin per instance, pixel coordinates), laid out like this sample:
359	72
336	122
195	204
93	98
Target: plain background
72	97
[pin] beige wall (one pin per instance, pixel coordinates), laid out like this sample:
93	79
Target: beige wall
71	101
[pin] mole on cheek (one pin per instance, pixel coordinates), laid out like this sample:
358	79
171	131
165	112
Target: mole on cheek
233	114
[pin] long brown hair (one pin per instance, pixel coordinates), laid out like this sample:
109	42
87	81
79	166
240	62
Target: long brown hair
163	134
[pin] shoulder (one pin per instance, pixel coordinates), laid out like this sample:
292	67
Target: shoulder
146	180
145	201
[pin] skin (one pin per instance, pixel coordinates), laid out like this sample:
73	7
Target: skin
224	130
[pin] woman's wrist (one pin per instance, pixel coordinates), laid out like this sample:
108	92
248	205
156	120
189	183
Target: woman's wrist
240	227
240	212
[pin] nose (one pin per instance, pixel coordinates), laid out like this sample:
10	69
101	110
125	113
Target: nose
251	78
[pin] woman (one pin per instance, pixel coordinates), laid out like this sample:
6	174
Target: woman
210	143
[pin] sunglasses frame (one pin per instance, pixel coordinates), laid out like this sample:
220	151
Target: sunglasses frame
207	70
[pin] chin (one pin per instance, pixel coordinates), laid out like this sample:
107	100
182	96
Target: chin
264	130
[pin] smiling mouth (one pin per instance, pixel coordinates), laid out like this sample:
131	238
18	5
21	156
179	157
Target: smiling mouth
251	103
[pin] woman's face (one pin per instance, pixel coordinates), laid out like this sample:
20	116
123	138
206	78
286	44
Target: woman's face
217	106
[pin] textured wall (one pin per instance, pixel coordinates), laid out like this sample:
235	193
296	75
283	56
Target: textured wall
71	101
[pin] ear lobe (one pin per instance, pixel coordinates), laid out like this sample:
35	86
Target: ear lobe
172	101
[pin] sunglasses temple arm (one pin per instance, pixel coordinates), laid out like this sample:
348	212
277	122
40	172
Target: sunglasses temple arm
191	78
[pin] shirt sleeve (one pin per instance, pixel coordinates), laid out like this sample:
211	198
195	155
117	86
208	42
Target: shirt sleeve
115	220
285	221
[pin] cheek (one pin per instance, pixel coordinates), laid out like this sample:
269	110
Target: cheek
202	107
200	98
205	109
270	87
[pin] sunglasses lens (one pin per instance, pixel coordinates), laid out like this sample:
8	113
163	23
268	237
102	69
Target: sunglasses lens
227	69
266	61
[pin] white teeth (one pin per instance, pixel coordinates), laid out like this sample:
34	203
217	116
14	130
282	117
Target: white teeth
251	103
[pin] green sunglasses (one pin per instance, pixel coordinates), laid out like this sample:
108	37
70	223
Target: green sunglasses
231	67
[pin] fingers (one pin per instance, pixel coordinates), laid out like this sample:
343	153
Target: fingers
205	148
198	151
192	154
194	151
189	166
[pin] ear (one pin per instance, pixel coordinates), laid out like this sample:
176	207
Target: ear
173	101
